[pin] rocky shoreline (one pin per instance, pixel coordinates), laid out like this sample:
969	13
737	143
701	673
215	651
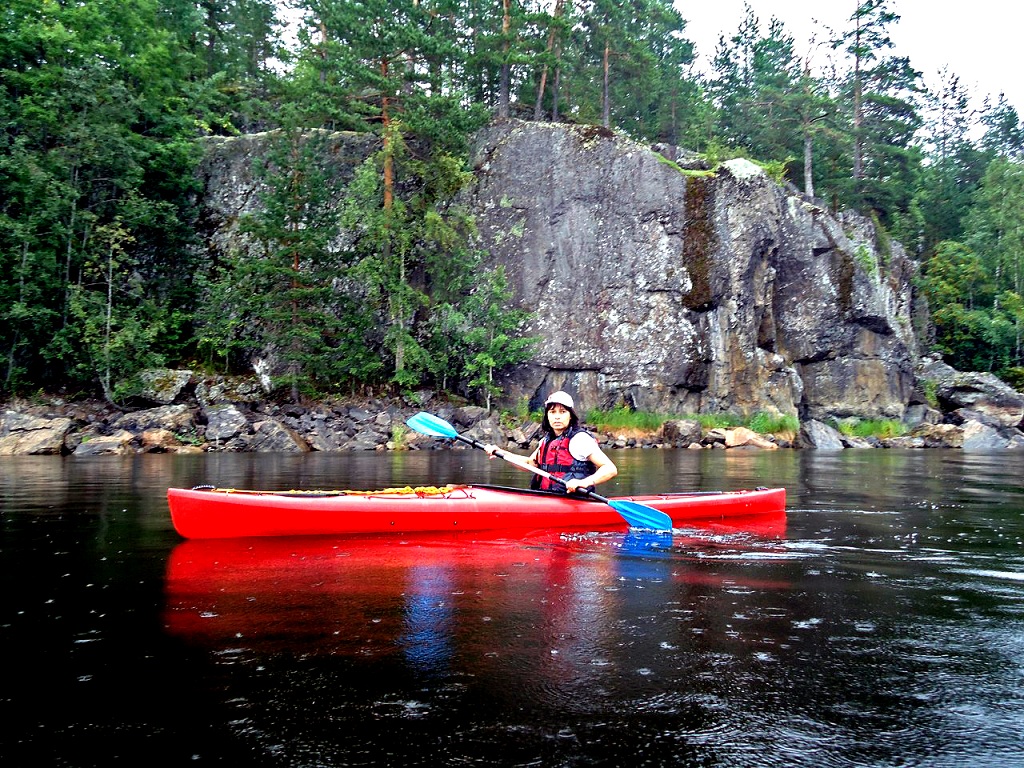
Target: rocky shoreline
95	428
178	412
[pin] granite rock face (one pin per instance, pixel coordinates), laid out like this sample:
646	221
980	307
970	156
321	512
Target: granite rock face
687	292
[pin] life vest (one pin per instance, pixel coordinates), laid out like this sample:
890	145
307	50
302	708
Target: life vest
554	458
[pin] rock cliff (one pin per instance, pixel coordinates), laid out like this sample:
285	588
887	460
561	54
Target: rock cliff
675	290
662	284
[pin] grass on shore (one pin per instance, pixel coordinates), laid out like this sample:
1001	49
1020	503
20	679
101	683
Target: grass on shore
632	423
624	420
880	428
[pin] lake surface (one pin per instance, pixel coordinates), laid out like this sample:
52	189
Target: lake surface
882	625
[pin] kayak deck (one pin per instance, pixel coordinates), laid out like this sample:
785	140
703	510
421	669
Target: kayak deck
205	512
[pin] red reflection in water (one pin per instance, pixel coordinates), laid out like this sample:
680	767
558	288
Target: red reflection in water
427	598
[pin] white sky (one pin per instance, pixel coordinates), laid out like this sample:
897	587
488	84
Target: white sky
980	41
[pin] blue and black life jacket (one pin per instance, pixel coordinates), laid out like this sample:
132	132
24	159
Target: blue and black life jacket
554	458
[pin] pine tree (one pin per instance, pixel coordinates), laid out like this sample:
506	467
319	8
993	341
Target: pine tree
864	42
1004	131
949	180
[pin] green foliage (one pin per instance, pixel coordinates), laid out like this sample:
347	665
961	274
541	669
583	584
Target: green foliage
878	101
716	153
755	89
409	251
866	259
679	169
398	434
115	326
761	422
1014	376
1004	133
94	143
950	179
776	169
519	415
489	338
624	418
670	163
716	420
773	423
975	287
880	428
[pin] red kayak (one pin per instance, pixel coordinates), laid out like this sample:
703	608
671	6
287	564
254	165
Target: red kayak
217	513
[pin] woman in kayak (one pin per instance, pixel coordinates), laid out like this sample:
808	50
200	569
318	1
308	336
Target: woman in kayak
566	451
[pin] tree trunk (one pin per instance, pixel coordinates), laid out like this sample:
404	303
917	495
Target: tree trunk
807	122
538	107
503	88
105	376
808	160
556	92
293	226
71	248
389	197
17	332
606	111
323	52
858	113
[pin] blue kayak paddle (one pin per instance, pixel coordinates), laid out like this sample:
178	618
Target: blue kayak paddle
636	514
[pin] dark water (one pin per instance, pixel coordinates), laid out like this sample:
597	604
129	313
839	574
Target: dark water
883	625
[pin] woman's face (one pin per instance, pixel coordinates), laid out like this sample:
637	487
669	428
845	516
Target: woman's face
559	418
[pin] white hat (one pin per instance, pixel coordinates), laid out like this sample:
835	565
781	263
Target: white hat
560	397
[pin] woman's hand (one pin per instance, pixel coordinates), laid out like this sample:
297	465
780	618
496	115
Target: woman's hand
573	486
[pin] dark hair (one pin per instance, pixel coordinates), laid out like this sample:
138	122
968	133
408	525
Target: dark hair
574	420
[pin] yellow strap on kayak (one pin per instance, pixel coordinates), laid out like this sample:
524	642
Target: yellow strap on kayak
420	490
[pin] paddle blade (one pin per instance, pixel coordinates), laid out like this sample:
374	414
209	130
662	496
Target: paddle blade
429	424
642	516
643	542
